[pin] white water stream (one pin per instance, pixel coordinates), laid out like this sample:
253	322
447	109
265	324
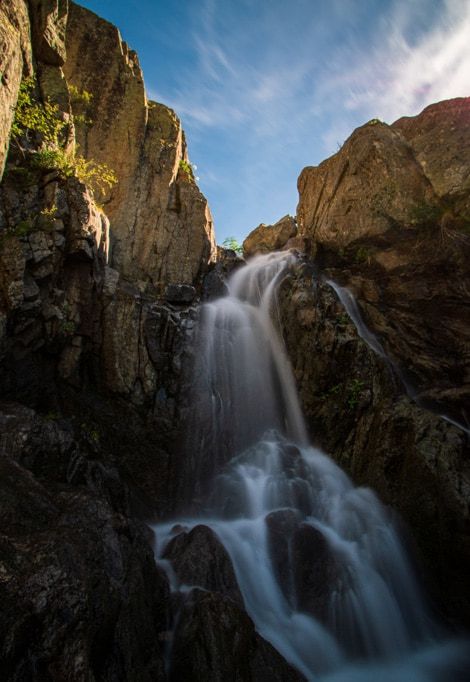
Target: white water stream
350	305
365	618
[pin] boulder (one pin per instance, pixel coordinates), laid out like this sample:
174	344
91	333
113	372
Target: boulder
216	640
281	525
266	238
352	195
303	563
440	139
315	571
199	558
214	282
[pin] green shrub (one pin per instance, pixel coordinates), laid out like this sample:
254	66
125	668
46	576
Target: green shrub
187	168
36	117
44	119
80	101
79	96
233	244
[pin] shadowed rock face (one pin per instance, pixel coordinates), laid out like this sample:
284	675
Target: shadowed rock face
388	218
357	411
216	640
81	595
161	224
199	558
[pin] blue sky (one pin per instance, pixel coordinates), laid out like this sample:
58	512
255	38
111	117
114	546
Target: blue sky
266	87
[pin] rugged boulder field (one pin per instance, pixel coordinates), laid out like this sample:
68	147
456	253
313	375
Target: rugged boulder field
107	249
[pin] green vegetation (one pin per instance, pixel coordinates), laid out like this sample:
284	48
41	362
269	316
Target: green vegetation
425	215
363	255
374	121
79	96
233	244
41	122
32	116
186	167
80	101
23	228
342	319
67	325
353	392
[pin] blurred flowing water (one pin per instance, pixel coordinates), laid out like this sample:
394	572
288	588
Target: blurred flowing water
320	565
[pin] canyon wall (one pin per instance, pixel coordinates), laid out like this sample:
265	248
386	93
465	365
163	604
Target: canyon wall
97	316
387	217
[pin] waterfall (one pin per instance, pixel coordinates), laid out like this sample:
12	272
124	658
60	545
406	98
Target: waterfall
350	305
319	563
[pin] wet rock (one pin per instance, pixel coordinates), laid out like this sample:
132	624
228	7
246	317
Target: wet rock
216	640
199	558
180	294
214	283
357	411
267	238
315	572
281	526
303	563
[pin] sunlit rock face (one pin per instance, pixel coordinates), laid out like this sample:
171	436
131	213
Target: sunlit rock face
368	187
388	217
161	224
440	139
266	238
15	59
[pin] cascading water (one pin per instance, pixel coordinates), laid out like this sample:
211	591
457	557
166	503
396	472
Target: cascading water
319	563
350	304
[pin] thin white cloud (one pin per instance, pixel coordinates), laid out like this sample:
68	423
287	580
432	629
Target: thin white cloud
400	76
287	89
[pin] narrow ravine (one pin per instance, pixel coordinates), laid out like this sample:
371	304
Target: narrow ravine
319	562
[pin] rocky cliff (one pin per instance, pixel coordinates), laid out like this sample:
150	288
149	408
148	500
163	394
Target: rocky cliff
97	285
388	215
387	219
162	226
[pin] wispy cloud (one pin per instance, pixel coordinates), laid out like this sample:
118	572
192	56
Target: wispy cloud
271	87
401	75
